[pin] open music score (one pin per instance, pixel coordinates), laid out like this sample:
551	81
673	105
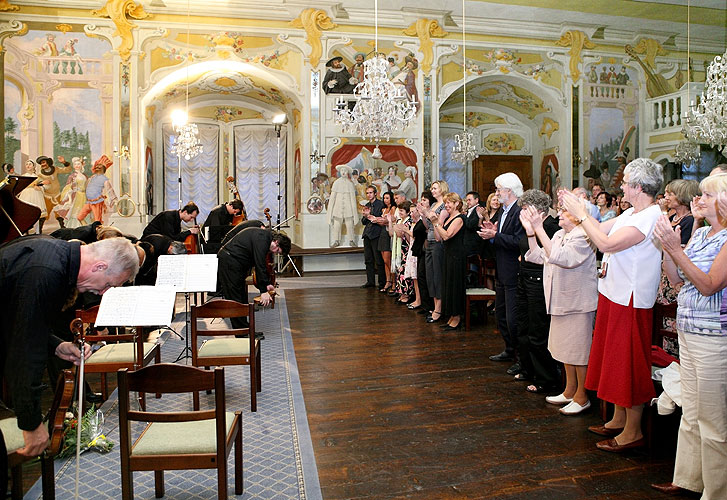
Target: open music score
137	306
188	273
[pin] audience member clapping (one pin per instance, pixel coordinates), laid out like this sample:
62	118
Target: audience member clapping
569	260
620	360
702	268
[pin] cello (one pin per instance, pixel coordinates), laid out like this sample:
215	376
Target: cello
236	195
192	242
269	264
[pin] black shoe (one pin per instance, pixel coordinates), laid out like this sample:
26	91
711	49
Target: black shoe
514	369
430	319
368	285
392	294
503	356
449	328
94	397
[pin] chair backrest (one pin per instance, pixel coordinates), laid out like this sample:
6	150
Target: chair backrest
222	308
658	332
171	378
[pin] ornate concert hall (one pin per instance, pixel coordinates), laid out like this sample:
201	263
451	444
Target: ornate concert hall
461	249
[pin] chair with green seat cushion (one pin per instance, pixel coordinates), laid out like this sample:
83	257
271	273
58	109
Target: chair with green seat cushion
126	350
14	440
197	439
224	349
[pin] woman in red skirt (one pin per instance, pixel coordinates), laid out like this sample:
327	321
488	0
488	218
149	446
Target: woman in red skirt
619	366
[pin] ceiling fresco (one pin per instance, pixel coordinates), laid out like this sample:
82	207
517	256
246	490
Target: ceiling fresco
502	93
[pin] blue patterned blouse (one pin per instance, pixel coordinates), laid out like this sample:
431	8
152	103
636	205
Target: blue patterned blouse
696	313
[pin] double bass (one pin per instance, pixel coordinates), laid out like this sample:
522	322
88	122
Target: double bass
236	195
192	242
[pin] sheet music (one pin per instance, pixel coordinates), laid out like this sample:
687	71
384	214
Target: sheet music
188	273
136	306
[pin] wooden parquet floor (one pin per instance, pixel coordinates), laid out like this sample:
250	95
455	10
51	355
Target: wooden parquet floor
399	410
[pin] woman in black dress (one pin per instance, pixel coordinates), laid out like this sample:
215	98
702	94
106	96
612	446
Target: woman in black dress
455	261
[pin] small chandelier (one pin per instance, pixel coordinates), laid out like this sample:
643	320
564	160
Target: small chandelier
187	142
687	152
464	147
706	122
382	109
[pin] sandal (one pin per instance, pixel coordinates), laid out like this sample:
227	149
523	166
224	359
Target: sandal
522	376
387	287
539	389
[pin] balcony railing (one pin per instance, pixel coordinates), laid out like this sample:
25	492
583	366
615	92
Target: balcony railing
667	111
605	92
71	68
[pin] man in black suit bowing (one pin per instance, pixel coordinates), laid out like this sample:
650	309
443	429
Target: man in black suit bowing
372	257
505	235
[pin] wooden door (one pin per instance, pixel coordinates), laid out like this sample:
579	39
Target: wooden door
486	168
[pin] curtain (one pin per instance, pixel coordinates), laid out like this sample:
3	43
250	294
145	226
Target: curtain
454	173
199	174
256	170
348	152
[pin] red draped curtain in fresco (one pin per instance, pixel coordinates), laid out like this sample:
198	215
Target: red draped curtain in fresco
348	152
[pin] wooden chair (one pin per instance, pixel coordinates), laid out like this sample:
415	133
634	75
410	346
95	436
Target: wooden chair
127	350
227	351
14	440
476	295
177	440
658	332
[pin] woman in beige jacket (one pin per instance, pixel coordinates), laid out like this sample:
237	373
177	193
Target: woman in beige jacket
571	296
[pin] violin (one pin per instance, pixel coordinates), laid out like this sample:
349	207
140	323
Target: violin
191	242
61	402
236	219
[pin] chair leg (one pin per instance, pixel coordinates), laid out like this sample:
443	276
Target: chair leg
104	387
48	478
222	479
195	400
258	367
253	391
467	313
157	360
127	483
16	491
238	461
158	483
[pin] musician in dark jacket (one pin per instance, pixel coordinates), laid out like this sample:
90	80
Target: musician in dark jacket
242	225
155	245
39	275
218	222
248	249
372	257
169	222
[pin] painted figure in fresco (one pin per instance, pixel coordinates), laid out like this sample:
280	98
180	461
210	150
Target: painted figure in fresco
73	196
409	186
33	194
357	69
48	173
338	80
342	206
604	76
612	76
392	179
392	69
622	78
407	78
48	48
592	75
100	195
69	50
546	182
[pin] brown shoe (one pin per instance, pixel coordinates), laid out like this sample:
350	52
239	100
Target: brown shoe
668	488
602	430
612	446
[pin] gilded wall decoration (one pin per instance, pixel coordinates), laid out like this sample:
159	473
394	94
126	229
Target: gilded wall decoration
64	28
6	6
503	142
117	11
511	96
548	127
577	41
474	118
426	29
313	21
231	113
651	48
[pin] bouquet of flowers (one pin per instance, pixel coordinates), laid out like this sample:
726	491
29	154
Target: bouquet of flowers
91	429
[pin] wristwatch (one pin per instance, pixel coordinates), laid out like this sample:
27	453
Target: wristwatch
582	219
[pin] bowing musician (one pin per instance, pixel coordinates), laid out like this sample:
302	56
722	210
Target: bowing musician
169	223
218	222
248	249
40	276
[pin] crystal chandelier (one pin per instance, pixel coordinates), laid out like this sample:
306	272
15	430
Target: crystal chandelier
706	122
382	109
187	142
464	147
687	152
